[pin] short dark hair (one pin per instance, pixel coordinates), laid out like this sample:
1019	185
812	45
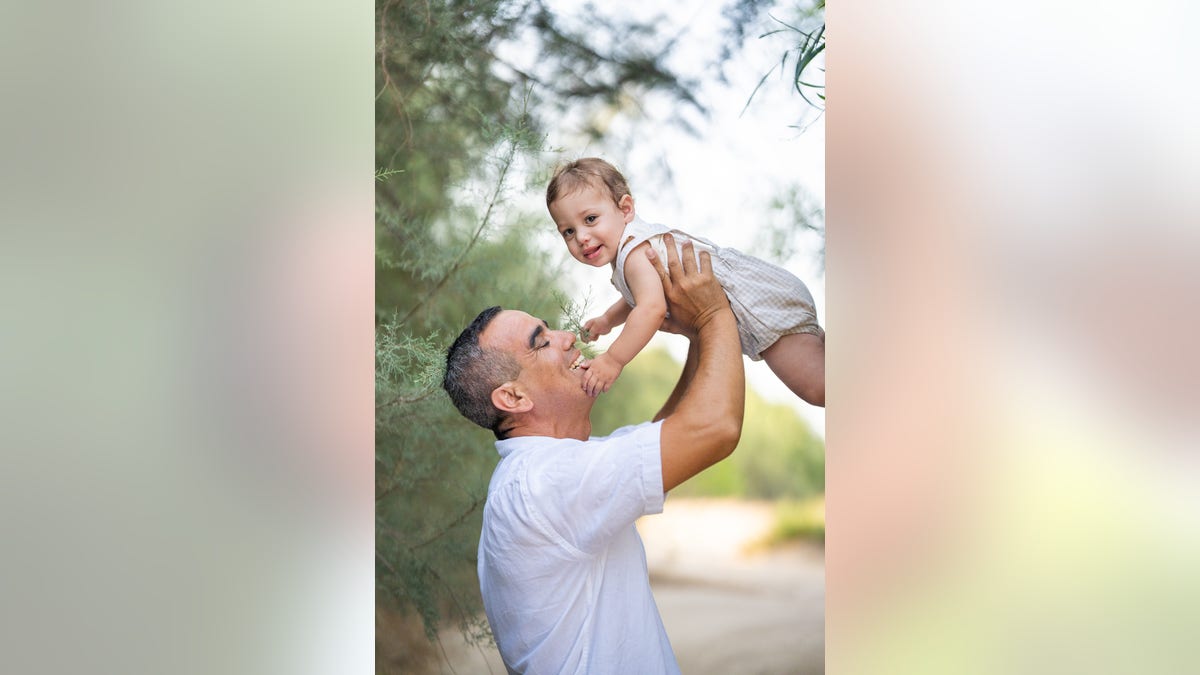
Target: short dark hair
472	373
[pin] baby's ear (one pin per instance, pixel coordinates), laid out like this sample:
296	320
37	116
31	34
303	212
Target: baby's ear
626	206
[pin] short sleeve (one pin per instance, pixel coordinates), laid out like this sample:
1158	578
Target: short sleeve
589	492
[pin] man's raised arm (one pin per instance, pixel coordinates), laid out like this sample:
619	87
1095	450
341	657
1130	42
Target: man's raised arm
685	378
704	414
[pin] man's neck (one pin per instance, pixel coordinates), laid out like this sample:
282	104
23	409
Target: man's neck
579	430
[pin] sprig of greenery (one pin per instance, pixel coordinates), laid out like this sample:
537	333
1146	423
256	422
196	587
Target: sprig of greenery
382	174
408	368
574	314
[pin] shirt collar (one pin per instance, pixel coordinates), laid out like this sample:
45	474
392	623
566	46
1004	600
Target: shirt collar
507	446
510	446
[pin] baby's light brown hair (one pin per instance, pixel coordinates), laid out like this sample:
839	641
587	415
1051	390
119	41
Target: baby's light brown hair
584	172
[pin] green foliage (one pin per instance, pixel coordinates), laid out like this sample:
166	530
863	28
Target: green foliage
574	313
803	62
778	456
432	466
798	520
427	505
384	174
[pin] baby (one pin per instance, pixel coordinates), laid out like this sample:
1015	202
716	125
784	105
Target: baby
590	202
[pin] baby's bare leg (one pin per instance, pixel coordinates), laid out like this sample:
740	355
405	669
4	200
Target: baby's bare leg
799	361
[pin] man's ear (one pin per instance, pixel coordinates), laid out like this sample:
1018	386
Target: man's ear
510	398
626	206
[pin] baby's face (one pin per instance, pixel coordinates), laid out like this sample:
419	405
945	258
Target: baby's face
591	224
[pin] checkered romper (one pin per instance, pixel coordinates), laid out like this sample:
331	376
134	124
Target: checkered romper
767	300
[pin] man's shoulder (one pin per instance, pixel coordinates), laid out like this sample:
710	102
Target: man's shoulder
624	431
518	454
533	459
526	445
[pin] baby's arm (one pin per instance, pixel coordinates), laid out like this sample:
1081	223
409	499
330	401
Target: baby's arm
643	321
602	325
651	309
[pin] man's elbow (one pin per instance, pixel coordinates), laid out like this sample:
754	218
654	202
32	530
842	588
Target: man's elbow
725	436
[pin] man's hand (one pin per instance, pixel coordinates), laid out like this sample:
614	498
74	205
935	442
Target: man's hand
694	295
594	328
670	325
601	373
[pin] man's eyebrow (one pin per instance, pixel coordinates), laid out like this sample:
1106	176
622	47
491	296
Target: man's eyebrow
533	337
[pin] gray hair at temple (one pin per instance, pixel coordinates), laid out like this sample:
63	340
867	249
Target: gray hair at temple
472	373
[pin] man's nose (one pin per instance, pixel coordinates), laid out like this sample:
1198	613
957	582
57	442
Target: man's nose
566	338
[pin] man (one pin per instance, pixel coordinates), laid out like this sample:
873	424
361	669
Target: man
561	567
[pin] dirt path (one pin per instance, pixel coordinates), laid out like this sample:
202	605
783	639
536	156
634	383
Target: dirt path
726	610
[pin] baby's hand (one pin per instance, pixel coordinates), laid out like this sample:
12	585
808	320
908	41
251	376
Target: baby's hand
601	373
594	328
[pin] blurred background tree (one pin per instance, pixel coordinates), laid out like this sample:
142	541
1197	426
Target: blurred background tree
460	118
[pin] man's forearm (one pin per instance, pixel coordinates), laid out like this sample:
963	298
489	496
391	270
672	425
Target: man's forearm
685	378
704	415
716	392
706	423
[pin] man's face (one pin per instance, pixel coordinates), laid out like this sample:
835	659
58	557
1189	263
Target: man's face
591	224
546	356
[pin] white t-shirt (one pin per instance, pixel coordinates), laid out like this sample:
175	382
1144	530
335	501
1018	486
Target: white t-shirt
561	566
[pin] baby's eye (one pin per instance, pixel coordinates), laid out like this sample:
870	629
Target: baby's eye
568	233
589	219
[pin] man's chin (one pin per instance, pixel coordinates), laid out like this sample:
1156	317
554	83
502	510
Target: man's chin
579	381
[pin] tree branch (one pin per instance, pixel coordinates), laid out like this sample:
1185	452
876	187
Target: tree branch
457	521
487	216
404	400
